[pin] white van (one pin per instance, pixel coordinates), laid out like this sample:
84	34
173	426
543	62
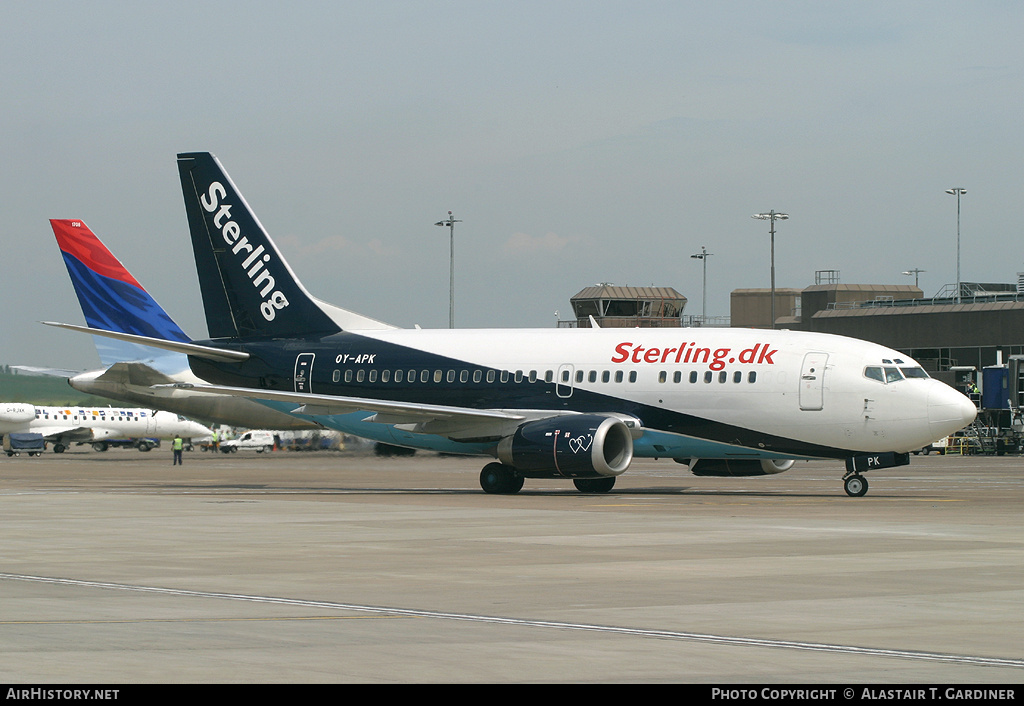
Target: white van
259	439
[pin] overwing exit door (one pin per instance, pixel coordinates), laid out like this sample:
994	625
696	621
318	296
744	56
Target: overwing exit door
563	383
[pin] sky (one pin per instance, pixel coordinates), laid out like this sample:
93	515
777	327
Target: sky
577	143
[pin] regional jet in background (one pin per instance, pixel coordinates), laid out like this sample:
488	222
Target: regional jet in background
113	300
99	426
578	404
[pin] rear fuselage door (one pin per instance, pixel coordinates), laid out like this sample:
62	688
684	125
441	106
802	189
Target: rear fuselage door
304	372
812	381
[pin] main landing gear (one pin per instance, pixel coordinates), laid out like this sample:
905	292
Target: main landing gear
594	485
855	485
499	479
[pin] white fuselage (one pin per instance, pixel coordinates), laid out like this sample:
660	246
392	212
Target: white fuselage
772	393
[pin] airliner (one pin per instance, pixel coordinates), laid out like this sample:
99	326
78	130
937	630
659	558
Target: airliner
111	298
577	404
63	426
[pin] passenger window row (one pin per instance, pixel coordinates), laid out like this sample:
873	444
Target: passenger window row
373	375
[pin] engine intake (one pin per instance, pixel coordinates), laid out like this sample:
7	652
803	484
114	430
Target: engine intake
571	446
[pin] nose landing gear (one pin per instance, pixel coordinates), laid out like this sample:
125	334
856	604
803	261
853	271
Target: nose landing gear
855	485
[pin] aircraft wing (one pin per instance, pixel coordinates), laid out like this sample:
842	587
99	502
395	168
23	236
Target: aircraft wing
453	422
67	433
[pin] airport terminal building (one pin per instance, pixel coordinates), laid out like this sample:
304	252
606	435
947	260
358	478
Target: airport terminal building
982	327
955	338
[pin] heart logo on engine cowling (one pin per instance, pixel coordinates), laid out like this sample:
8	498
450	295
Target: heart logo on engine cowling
581	443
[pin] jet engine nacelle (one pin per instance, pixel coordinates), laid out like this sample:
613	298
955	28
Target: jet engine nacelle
15	415
571	446
739	467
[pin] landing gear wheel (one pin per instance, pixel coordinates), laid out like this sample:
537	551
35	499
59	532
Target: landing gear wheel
594	485
498	479
856	485
58	448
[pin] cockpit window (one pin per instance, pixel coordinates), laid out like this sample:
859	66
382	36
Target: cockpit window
873	372
914	372
893	375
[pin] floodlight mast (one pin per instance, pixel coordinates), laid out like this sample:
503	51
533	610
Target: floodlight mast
772	216
703	255
916	271
958	192
450	222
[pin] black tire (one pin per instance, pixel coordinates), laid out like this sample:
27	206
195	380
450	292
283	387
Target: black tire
515	483
594	485
856	486
499	479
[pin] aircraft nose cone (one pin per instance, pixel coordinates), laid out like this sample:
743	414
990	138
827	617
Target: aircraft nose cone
949	410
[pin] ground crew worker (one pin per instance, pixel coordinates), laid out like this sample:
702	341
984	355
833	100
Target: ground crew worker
177	445
216	440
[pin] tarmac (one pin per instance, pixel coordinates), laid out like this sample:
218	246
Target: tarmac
305	567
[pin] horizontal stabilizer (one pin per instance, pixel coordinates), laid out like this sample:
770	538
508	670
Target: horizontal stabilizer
221	355
138	374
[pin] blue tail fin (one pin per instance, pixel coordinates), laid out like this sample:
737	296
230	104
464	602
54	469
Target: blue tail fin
112	299
248	289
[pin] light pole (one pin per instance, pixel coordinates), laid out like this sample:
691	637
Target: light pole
916	271
703	255
958	191
772	216
450	222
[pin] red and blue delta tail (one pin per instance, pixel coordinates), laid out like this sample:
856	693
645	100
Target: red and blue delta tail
110	297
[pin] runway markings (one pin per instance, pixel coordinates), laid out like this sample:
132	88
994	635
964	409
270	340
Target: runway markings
548	624
283	618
